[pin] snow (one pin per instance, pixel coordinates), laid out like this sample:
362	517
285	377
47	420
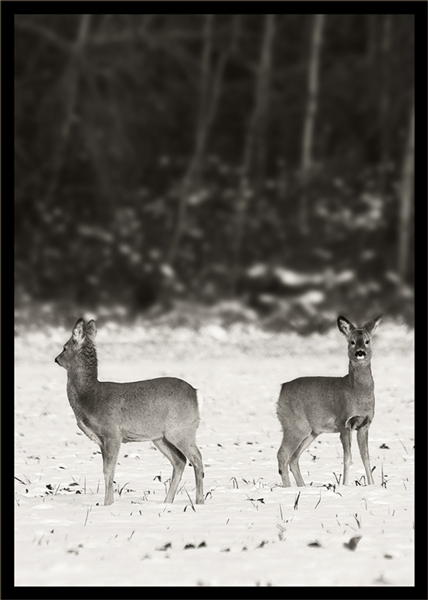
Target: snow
250	531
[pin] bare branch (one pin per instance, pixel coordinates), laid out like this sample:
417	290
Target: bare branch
43	32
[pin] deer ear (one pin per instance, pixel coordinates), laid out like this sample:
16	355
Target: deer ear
79	331
91	330
372	325
344	325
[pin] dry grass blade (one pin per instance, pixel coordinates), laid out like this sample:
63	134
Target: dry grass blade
190	500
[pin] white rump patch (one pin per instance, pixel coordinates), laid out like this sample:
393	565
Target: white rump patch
200	400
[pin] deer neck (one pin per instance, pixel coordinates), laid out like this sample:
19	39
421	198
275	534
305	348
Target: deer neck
360	376
83	376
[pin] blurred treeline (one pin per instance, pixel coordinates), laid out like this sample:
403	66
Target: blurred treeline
262	157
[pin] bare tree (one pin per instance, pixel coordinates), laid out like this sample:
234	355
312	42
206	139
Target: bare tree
371	39
406	197
210	88
69	90
310	114
253	142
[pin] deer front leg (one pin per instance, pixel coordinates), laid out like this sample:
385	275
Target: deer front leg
363	444
109	450
345	438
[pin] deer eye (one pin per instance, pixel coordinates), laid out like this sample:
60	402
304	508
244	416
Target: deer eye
367	342
352	343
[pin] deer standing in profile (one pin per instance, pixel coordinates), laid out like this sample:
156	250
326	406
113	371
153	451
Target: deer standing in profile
308	406
164	410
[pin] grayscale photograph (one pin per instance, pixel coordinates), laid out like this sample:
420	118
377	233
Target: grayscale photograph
214	299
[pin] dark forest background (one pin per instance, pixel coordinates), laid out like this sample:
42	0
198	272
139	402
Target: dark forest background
260	162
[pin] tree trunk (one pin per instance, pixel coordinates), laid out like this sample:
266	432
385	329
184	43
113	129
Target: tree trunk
252	144
406	197
70	81
385	101
310	116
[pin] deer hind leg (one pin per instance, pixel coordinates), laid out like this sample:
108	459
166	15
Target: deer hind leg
294	460
178	461
185	442
363	444
290	443
109	450
345	438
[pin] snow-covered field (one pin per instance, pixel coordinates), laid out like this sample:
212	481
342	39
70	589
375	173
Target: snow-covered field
250	531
